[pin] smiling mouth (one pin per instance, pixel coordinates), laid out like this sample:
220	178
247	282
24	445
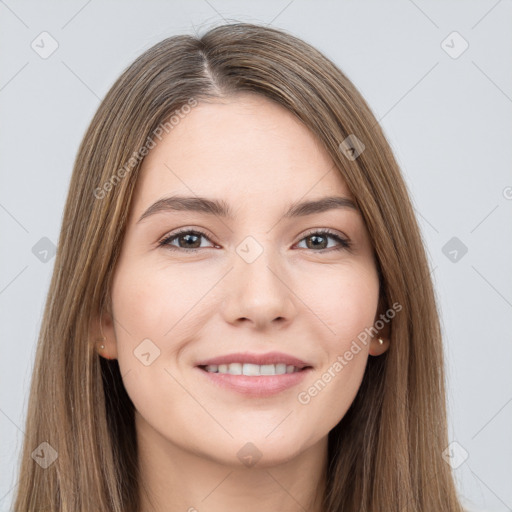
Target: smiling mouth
252	370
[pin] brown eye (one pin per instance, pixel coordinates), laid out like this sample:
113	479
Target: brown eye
319	241
188	240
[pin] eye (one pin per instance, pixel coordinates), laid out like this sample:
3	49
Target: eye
187	239
190	240
319	240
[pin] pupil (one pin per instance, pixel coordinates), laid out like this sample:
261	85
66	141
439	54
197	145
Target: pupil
316	238
188	237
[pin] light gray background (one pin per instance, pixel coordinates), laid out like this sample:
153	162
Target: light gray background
448	120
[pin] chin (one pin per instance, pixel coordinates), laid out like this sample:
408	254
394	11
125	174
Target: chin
260	450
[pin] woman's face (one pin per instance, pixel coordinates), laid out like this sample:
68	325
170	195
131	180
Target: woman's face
265	284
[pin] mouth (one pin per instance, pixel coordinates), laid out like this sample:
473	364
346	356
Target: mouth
247	363
256	375
252	370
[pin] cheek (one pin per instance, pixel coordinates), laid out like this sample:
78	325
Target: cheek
344	299
352	308
156	303
155	318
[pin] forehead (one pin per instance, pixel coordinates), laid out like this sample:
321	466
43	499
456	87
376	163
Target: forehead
246	149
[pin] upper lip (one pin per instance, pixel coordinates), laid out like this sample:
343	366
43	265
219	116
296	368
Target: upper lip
252	358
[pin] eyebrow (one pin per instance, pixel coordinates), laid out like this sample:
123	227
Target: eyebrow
222	209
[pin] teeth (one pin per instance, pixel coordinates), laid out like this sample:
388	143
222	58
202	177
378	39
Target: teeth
252	369
235	369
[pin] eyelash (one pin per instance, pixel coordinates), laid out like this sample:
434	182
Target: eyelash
344	243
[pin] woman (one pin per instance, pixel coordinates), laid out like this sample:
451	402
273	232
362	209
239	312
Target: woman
241	312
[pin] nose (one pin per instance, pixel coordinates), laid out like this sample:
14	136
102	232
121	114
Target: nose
259	293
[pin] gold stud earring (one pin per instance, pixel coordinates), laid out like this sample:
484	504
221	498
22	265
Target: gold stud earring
381	341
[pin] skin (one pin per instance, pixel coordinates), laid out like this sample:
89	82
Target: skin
258	158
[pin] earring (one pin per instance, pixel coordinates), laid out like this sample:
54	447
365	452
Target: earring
102	340
381	341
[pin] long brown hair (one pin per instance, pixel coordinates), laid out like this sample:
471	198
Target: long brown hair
386	452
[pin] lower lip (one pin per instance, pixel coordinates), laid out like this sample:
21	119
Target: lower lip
259	386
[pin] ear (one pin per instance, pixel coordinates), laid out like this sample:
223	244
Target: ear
103	322
384	334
